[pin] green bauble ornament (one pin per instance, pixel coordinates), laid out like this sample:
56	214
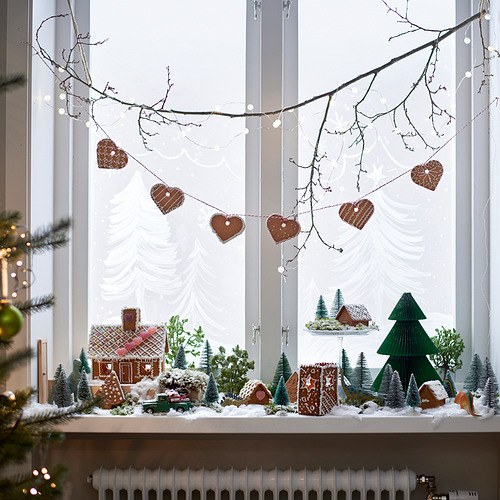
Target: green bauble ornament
11	321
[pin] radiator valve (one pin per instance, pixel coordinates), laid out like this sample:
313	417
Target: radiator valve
431	490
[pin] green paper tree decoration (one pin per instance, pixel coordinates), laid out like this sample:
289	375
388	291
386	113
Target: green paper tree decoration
84	392
205	358
281	397
283	369
85	363
346	366
338	302
180	358
321	310
211	392
407	345
395	396
362	377
385	382
412	394
473	378
449	385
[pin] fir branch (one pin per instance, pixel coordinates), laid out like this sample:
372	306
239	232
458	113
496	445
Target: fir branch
13	361
11	82
36	305
49	238
41	420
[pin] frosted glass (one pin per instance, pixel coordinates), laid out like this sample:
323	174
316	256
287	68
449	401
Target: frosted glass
170	264
408	245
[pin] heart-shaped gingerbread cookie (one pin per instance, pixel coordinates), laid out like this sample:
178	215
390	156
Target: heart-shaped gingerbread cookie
427	175
281	228
226	227
357	214
167	198
109	155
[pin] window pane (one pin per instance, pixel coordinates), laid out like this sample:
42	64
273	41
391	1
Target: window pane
408	244
169	264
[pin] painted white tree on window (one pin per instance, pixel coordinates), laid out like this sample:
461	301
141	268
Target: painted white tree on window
141	257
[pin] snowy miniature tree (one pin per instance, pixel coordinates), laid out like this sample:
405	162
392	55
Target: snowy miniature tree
62	392
473	378
395	396
385	382
54	382
180	358
412	394
338	302
362	377
407	345
283	369
281	397
321	310
74	378
84	392
84	361
205	358
211	392
488	373
490	395
449	385
346	366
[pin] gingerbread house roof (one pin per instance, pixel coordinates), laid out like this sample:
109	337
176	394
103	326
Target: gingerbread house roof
436	388
357	312
251	386
105	340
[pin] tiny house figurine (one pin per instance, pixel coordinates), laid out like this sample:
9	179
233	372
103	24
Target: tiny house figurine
432	394
254	392
317	393
354	315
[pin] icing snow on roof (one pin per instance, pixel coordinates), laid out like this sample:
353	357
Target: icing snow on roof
437	389
358	312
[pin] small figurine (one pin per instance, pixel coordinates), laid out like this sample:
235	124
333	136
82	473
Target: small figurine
466	402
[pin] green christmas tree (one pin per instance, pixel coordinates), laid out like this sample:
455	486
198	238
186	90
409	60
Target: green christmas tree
84	361
206	357
396	395
56	376
321	310
338	302
282	370
346	366
449	385
62	392
473	378
211	392
84	392
488	373
230	372
412	394
180	358
362	377
281	397
385	382
490	395
407	345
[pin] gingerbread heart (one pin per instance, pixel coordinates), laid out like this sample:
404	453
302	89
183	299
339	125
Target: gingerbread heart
357	214
281	228
109	155
121	351
129	346
260	395
167	198
427	175
226	228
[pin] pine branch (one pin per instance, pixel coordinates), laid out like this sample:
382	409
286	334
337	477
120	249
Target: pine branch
36	305
13	361
50	238
11	82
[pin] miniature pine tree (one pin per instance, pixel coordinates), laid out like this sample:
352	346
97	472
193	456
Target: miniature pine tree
321	310
385	382
84	392
74	378
346	367
412	394
449	385
62	393
282	370
281	397
85	363
473	378
407	345
488	373
211	392
362	377
395	396
180	358
490	395
54	382
206	357
338	302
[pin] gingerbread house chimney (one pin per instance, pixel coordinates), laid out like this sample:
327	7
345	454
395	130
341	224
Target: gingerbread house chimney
131	317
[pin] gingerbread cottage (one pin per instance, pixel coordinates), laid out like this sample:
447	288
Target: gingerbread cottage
432	394
254	392
353	315
133	350
317	393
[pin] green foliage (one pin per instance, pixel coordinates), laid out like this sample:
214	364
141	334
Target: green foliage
283	369
211	393
321	310
346	367
205	358
180	358
183	381
412	394
450	346
338	302
85	363
281	397
362	377
126	408
177	336
473	378
230	372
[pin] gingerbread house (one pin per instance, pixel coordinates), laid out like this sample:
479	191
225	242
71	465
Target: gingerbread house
292	385
317	393
353	315
432	394
254	392
133	350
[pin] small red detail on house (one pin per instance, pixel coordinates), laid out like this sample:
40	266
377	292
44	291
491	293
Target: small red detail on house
432	394
353	315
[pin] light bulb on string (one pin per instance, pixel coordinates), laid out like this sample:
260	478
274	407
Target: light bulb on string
61	111
246	131
487	17
62	96
43	470
281	269
276	123
250	107
383	100
468	74
47	98
467	40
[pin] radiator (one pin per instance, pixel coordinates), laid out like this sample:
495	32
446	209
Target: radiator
341	484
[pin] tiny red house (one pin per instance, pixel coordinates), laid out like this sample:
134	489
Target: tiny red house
353	315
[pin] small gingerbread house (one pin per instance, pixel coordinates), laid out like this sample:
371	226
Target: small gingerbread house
317	393
254	392
432	394
292	385
353	315
133	350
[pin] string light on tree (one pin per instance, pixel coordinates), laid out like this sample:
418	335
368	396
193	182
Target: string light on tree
276	123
